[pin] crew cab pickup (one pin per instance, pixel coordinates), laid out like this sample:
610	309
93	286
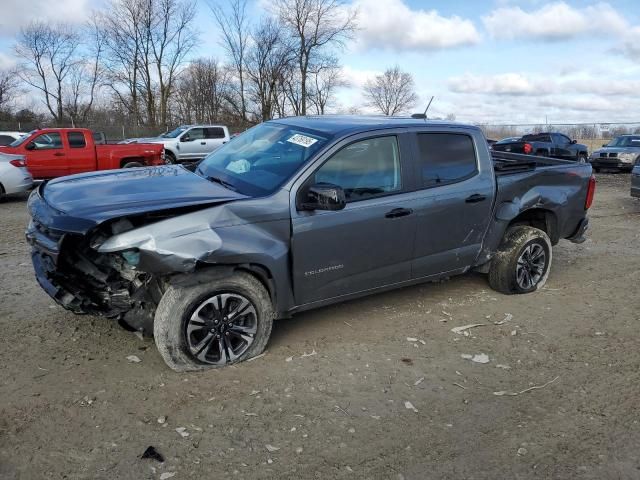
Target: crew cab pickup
554	145
56	152
295	214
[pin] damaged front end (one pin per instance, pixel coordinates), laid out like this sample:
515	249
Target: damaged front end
85	281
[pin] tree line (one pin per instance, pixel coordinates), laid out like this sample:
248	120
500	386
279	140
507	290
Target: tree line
133	64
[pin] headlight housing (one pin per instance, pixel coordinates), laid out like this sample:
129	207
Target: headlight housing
627	157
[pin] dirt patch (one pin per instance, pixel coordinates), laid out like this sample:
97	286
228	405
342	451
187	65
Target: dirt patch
374	388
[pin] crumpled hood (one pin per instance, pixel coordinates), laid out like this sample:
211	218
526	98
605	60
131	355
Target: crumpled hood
102	196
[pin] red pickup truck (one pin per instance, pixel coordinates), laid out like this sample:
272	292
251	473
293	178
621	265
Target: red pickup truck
56	152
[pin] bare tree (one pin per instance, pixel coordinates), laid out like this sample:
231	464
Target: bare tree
8	88
202	91
315	26
147	42
392	92
235	29
326	77
268	60
49	54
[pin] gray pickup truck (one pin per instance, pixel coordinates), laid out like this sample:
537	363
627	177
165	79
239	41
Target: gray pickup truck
295	214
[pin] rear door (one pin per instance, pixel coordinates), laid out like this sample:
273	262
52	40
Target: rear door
81	155
454	203
46	156
216	137
368	244
563	146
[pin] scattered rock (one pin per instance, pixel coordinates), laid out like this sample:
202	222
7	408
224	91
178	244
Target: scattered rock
288	359
504	367
522	451
478	358
409	406
182	431
153	454
162	420
134	359
464	330
299	450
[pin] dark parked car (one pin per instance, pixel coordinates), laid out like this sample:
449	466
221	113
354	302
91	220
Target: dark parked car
554	145
620	153
295	214
635	180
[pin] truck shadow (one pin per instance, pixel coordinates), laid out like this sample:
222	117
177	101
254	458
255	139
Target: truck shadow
354	316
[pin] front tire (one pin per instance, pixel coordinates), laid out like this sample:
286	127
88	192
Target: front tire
169	158
214	324
522	262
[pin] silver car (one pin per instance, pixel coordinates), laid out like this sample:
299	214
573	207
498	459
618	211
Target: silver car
620	153
14	176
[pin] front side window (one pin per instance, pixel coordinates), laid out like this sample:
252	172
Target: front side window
47	141
194	134
364	169
446	158
76	140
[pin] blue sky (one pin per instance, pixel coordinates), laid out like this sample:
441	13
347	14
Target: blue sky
494	61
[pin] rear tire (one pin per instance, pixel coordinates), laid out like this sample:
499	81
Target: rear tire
133	165
2	190
243	314
522	262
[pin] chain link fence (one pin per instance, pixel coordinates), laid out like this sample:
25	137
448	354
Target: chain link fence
593	135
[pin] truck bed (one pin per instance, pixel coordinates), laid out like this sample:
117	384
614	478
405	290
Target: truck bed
505	163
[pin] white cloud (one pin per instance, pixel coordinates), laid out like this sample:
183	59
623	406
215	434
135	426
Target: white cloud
7	62
393	25
19	13
358	78
501	84
553	21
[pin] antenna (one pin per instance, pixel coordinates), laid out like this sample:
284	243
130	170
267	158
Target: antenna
423	115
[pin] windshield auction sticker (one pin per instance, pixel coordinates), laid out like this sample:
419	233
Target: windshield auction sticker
302	140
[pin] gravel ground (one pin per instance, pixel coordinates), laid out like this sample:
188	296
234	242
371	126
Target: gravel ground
329	398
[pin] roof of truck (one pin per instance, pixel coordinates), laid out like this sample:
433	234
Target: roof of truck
339	124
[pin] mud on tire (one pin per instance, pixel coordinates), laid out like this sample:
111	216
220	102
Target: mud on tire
175	316
519	246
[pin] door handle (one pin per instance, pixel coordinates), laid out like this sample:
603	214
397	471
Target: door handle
398	212
475	198
203	143
58	154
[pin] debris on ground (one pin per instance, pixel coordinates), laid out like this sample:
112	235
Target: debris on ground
504	367
464	330
409	406
406	361
507	318
412	339
162	419
461	386
535	387
153	454
138	334
134	359
256	357
183	432
167	475
288	359
418	382
478	358
305	354
271	448
522	451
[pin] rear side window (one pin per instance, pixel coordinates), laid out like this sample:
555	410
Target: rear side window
543	137
76	140
446	158
214	132
6	140
364	169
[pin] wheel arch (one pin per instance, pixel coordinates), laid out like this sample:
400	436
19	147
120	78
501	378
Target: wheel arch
127	160
541	218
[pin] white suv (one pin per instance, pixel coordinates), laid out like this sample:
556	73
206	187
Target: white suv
189	142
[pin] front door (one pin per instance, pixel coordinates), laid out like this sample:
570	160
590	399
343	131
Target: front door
46	156
369	243
453	208
192	143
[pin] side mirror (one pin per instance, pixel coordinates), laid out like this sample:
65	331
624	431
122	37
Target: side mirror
573	142
605	144
185	138
30	146
324	196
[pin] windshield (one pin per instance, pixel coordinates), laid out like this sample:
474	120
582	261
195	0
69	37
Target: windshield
257	162
174	133
21	140
626	141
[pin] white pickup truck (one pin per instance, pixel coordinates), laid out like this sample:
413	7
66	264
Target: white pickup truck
188	143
